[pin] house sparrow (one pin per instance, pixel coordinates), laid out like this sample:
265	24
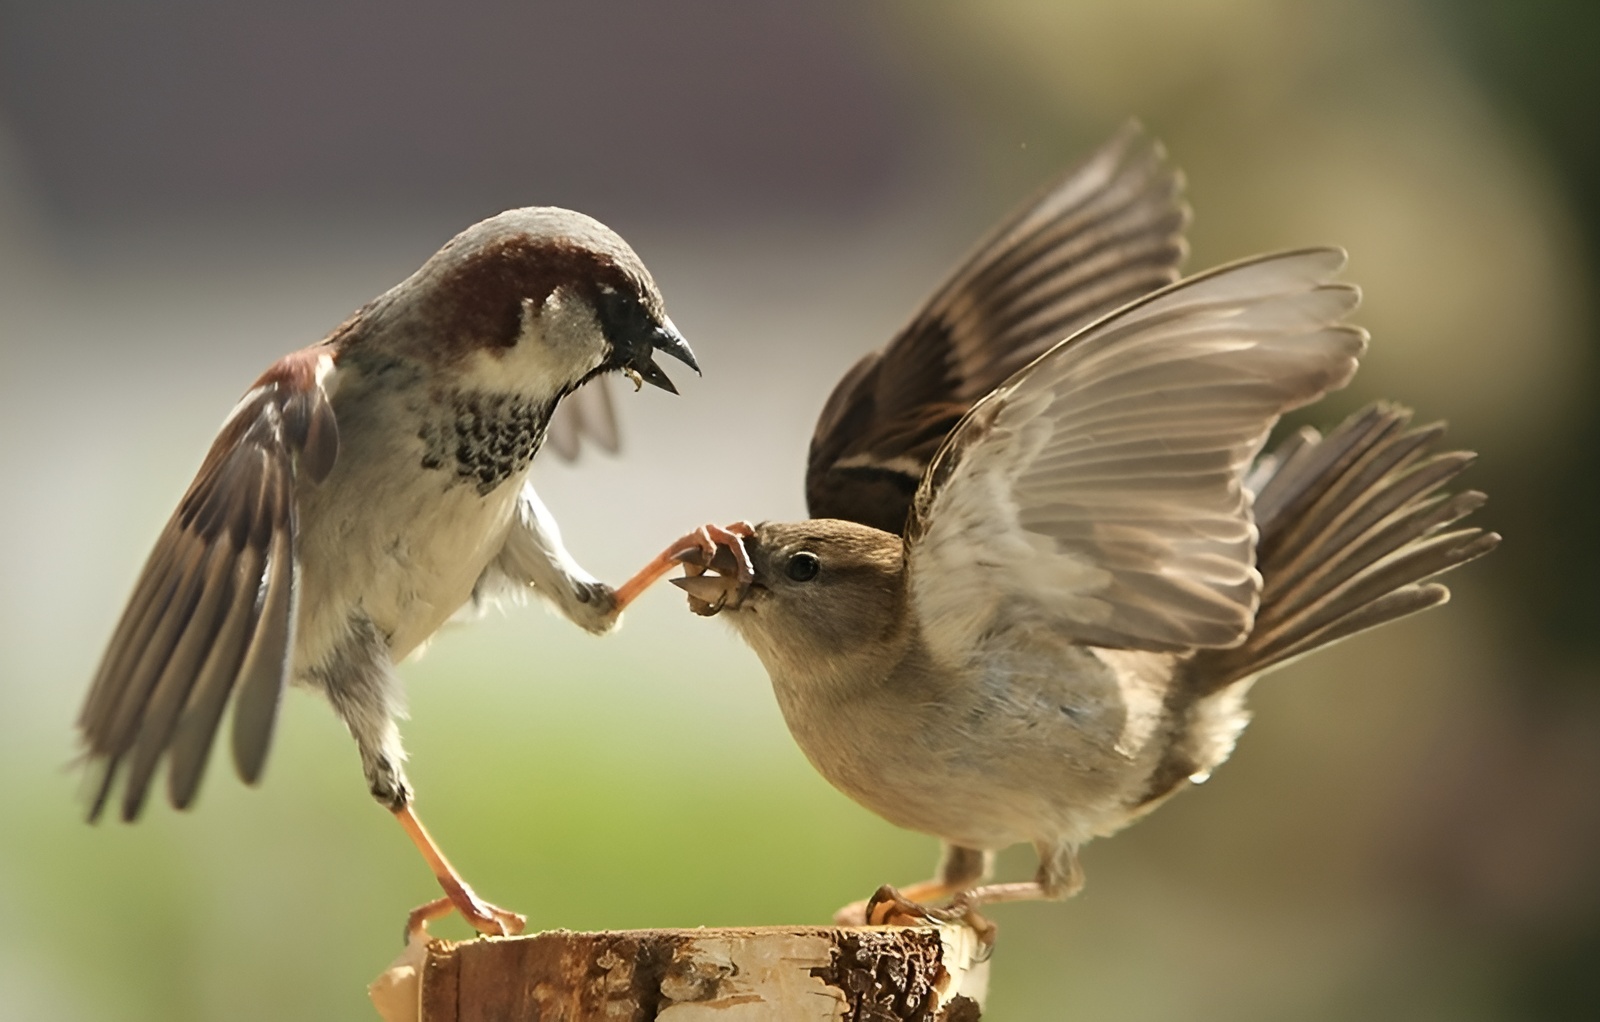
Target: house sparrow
361	492
1035	617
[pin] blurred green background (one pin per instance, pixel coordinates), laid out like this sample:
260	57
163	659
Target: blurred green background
189	189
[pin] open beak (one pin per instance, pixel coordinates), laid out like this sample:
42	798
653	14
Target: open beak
663	338
709	594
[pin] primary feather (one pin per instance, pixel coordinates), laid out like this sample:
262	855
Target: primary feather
1105	233
1102	489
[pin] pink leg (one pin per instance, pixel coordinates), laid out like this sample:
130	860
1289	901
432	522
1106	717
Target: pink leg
490	920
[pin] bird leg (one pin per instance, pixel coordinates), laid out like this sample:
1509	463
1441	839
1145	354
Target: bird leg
1059	877
696	548
487	919
959	869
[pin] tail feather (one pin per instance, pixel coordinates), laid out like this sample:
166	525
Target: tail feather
1387	524
1352	527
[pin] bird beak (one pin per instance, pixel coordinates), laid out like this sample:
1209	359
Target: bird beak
709	594
664	338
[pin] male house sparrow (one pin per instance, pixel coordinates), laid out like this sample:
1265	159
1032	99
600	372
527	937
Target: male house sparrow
1032	614
360	493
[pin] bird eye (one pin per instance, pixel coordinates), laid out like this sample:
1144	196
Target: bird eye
803	566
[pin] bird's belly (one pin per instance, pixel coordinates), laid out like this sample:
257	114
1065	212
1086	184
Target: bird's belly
405	556
1031	746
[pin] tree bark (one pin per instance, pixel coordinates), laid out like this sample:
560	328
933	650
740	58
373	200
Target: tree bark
774	974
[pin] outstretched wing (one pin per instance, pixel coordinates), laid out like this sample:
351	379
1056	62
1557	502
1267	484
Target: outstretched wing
1107	232
213	612
1100	492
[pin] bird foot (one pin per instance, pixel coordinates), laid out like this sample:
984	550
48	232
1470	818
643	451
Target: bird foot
718	548
889	907
721	550
489	920
710	546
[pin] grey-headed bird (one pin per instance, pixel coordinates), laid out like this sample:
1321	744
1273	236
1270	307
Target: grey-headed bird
361	492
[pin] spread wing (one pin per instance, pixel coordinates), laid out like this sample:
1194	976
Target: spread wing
1107	232
586	414
1100	492
213	611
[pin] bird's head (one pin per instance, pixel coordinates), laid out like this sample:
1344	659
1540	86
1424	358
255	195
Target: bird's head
534	301
819	590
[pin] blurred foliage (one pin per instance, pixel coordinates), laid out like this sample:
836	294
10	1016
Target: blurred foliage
1538	59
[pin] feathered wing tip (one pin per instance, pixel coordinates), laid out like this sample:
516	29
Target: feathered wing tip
1105	233
1353	526
212	616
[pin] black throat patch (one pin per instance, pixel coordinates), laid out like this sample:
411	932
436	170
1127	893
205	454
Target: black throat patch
485	438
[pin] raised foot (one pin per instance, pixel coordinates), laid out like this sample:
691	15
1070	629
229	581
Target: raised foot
696	551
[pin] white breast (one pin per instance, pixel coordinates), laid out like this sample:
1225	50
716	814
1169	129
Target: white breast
386	539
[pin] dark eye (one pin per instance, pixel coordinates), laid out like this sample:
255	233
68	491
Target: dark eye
803	566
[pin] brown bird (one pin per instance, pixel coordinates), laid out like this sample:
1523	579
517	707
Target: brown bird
1037	589
364	490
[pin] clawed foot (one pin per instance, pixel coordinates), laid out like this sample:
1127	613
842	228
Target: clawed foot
888	907
489	920
717	549
710	546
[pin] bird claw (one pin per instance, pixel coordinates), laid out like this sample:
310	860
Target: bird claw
710	546
888	907
489	920
719	548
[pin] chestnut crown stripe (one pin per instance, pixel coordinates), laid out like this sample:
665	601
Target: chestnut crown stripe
471	292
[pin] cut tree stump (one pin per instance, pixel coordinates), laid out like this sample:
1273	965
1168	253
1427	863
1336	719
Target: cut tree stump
773	973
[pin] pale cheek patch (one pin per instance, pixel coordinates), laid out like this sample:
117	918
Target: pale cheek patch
558	343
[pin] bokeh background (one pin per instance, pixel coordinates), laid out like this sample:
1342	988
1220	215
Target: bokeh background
188	189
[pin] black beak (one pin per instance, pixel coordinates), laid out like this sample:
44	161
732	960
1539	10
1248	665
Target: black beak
666	338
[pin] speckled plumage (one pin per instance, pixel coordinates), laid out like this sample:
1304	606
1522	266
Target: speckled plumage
361	493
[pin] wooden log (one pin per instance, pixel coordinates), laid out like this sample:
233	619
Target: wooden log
774	974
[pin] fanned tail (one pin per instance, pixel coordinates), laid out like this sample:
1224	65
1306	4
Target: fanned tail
1352	528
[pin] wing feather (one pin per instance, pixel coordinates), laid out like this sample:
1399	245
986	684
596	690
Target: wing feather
212	611
1107	232
1100	491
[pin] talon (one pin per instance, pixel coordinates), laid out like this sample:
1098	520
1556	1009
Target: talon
489	920
417	920
732	539
888	907
963	910
638	381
